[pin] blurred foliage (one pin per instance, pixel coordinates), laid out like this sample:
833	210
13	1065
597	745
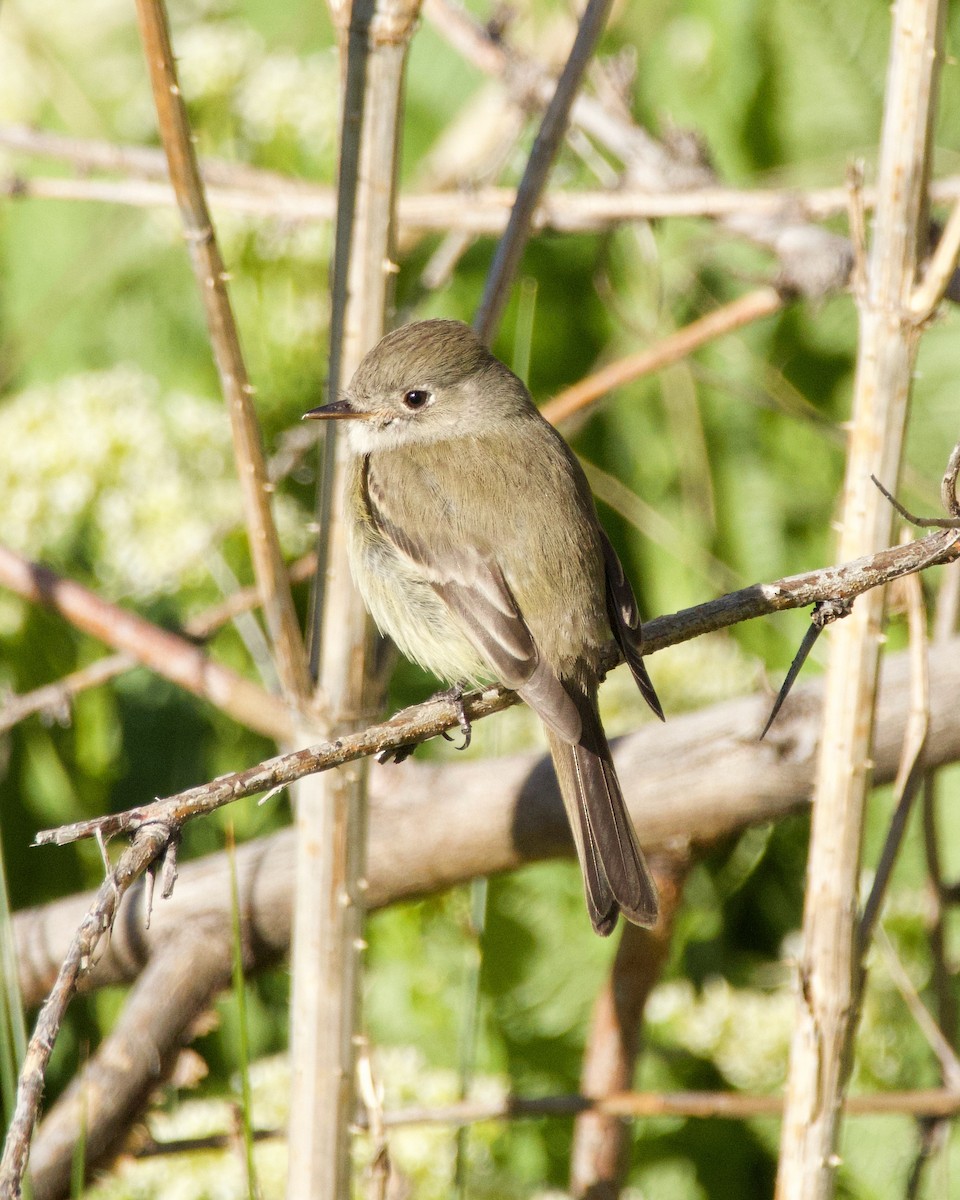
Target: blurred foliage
115	467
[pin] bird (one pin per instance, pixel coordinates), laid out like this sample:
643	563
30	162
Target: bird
474	542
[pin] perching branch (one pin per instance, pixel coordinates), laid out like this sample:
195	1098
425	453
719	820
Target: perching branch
427	720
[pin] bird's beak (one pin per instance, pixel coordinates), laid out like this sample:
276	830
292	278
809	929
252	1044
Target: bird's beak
338	410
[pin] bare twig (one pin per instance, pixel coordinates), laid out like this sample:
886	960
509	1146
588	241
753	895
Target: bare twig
761	303
945	1053
732	1106
822	615
146	844
920	522
171	656
545	148
910	775
212	278
55	698
943	262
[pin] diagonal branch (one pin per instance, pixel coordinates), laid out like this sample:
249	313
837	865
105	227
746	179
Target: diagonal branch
171	656
426	720
147	843
212	278
545	148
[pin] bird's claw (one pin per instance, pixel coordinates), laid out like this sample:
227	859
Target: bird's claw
455	696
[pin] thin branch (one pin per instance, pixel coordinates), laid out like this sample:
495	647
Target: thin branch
545	148
731	1106
147	843
480	211
171	656
424	721
940	269
934	1035
54	699
212	279
709	1106
911	773
757	304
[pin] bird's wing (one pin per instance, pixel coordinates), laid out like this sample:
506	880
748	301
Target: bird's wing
474	589
625	622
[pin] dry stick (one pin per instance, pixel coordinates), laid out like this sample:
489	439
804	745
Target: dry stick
760	303
600	1153
821	1051
147	843
54	698
332	811
212	278
545	147
427	720
169	655
475	212
710	1106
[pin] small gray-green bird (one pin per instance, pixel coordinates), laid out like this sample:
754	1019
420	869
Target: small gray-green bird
475	543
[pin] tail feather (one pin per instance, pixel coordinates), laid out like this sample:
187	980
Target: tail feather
615	875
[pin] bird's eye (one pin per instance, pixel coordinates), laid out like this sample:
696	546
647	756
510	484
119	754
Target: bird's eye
415	398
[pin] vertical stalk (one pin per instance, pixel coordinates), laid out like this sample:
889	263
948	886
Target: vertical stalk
332	808
829	970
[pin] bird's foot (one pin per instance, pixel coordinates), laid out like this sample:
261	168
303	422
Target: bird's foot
455	695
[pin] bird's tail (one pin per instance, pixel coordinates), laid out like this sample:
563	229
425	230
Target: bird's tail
615	875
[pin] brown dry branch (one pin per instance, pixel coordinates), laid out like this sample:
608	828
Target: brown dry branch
54	699
424	721
212	277
478	212
829	971
599	1157
702	778
763	302
930	1103
732	1106
813	261
169	655
510	248
147	843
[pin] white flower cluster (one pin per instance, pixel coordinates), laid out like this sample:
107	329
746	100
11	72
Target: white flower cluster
106	467
744	1032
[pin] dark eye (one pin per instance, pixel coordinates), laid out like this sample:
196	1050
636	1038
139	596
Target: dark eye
415	398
